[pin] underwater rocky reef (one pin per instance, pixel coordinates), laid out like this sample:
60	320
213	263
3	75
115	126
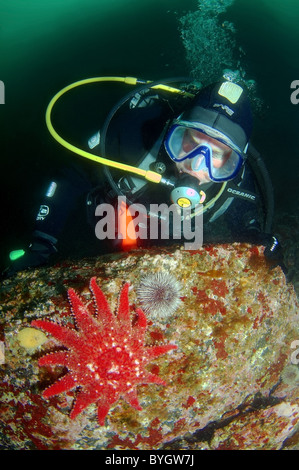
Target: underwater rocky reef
218	369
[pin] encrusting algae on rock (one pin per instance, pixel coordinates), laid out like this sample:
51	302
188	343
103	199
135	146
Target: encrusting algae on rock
234	328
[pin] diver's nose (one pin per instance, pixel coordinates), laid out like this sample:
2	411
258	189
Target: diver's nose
198	163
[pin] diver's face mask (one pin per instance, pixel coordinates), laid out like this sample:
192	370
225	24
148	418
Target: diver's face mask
203	152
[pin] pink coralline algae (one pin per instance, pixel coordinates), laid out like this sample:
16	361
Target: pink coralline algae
105	356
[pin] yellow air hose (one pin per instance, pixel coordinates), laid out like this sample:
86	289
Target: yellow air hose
147	174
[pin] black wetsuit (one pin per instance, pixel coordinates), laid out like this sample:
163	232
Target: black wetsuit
237	215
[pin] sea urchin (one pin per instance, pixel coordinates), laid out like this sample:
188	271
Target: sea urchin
159	294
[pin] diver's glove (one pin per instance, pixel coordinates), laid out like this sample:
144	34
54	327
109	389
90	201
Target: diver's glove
37	254
272	247
273	251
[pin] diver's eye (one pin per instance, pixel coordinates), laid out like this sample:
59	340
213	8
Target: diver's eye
190	141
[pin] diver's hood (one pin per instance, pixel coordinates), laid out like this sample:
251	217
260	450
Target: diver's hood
225	107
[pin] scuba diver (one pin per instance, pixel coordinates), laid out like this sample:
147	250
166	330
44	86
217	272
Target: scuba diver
162	144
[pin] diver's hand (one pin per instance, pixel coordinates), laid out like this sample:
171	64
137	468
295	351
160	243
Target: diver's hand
35	255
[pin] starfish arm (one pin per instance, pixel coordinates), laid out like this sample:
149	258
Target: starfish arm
56	358
139	328
64	384
131	398
141	319
150	378
84	320
66	336
105	403
88	396
123	312
102	413
102	307
156	351
84	398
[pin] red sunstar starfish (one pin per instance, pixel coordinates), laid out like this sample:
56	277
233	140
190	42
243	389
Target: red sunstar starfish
106	355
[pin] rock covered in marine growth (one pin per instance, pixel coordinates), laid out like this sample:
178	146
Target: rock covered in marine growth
231	383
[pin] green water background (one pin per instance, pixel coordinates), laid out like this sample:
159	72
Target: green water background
46	45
